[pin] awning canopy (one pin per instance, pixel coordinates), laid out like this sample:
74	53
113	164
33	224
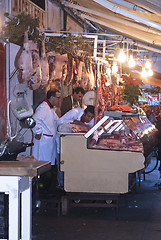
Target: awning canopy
139	20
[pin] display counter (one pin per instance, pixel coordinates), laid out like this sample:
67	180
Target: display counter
122	148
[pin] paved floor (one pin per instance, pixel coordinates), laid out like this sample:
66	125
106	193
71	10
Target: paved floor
140	220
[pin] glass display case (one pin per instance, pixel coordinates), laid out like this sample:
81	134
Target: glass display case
136	134
105	167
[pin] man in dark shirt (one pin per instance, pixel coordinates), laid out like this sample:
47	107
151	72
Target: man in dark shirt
72	101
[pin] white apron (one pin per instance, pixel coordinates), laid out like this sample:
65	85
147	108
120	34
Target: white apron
45	149
46	125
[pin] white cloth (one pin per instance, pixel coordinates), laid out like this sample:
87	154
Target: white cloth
72	115
46	125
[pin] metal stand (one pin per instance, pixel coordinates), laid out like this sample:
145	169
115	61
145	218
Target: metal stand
90	200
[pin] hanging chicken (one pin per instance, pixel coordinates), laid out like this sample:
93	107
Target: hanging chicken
23	61
44	65
35	80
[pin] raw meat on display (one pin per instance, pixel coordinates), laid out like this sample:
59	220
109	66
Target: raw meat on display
60	62
83	77
57	66
44	66
35	80
114	144
23	61
73	128
69	76
64	72
75	72
124	108
91	78
51	60
100	100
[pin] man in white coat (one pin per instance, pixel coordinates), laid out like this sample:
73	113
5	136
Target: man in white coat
44	148
85	116
80	116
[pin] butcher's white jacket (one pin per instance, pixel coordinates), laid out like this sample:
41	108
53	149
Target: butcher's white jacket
75	114
46	125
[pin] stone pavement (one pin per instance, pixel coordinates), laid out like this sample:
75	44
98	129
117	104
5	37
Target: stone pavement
140	220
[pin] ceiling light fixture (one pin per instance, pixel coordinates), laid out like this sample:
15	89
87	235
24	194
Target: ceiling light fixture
147	64
131	61
122	55
144	72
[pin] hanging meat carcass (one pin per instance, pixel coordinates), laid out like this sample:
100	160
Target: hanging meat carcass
64	72
69	75
44	66
35	80
100	100
51	60
60	62
57	63
75	73
91	83
23	61
83	77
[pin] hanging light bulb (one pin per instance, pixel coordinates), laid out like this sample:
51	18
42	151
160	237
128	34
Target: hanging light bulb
150	72
144	72
122	55
131	61
147	64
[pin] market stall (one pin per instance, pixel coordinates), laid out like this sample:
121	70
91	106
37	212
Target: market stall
108	167
121	150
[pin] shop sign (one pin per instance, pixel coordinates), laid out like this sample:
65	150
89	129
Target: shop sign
143	98
28	7
153	99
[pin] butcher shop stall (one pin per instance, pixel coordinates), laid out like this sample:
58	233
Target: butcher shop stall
110	167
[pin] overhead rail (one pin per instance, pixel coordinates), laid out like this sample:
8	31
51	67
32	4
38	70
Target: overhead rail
119	38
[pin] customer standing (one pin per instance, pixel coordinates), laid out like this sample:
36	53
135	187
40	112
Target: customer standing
46	127
72	101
